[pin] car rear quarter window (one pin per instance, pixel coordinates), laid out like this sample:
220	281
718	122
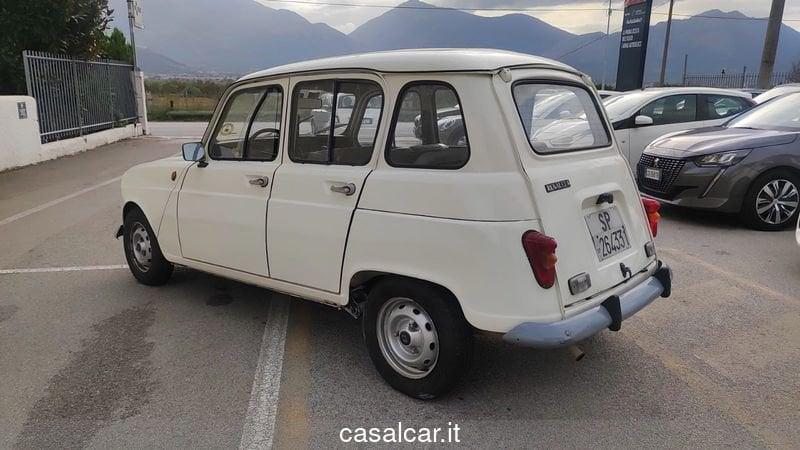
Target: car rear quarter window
428	129
722	106
559	118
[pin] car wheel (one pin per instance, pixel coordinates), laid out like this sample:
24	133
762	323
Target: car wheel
142	251
772	201
417	337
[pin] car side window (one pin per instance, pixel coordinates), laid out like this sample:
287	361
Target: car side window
721	106
334	131
428	129
228	140
672	109
264	135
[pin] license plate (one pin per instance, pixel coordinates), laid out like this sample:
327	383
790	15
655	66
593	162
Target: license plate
652	174
608	232
367	121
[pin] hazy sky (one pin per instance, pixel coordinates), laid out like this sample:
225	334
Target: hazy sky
346	18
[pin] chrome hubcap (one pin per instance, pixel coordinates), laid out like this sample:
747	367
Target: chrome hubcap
407	337
141	248
777	201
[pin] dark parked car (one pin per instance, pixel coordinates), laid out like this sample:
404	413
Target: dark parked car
749	166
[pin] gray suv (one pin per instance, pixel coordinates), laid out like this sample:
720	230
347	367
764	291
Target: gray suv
749	166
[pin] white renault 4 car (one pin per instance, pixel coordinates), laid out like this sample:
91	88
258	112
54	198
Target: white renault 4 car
545	242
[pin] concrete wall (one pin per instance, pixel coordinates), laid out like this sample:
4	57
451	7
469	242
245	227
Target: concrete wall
20	144
19	137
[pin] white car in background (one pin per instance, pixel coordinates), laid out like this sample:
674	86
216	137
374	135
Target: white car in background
777	91
639	117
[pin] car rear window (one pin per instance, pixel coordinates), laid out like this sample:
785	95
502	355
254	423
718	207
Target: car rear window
559	118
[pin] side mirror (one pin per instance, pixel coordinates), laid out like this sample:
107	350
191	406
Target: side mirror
643	121
193	151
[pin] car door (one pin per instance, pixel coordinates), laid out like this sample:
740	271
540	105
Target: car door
317	188
670	113
222	204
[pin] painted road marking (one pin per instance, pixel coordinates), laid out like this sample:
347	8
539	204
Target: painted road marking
62	269
259	425
44	206
292	421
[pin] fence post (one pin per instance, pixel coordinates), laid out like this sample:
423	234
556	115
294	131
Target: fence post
110	93
744	74
685	66
78	107
27	64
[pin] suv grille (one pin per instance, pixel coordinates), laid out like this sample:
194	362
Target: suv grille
670	168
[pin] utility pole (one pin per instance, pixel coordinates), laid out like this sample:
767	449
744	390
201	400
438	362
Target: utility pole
666	45
132	25
605	45
771	43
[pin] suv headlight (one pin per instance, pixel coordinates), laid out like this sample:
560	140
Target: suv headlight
724	159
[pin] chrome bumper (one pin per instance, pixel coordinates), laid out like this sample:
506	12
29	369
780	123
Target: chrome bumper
609	314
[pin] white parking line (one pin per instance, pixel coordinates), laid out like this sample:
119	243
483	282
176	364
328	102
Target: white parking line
44	206
62	269
259	425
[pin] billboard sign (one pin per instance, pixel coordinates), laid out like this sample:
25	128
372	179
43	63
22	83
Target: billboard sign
633	44
135	13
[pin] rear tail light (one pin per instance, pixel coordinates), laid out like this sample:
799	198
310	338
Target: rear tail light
541	252
651	207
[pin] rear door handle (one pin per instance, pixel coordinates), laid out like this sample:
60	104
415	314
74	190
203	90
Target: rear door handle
346	189
258	181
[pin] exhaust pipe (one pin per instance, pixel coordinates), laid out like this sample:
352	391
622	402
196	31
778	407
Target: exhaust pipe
576	352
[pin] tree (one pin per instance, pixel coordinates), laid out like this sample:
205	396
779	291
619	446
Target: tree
71	27
115	47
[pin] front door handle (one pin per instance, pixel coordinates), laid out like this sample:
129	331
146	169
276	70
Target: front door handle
346	189
259	181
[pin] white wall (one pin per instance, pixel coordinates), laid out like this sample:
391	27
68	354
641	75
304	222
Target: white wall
20	144
19	138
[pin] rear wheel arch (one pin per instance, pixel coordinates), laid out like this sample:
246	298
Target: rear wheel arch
367	279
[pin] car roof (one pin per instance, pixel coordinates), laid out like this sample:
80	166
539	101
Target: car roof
417	60
658	91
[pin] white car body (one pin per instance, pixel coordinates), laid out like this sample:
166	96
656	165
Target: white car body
459	229
777	91
633	137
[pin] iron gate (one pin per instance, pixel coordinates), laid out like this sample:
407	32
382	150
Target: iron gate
76	97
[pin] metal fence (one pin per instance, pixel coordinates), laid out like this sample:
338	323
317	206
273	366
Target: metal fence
741	80
76	97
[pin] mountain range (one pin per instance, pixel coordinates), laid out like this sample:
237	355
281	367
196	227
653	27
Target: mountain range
239	36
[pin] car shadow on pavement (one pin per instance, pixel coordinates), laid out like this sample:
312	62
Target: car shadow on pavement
509	392
702	217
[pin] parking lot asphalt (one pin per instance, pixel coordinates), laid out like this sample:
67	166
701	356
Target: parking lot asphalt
91	358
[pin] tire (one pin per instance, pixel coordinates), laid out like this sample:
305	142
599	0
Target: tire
760	194
395	329
142	252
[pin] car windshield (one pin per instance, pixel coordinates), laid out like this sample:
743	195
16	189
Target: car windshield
619	105
782	113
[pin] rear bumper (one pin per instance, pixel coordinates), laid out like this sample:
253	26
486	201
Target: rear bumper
609	314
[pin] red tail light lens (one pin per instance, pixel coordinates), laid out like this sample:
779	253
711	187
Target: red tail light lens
651	207
541	252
